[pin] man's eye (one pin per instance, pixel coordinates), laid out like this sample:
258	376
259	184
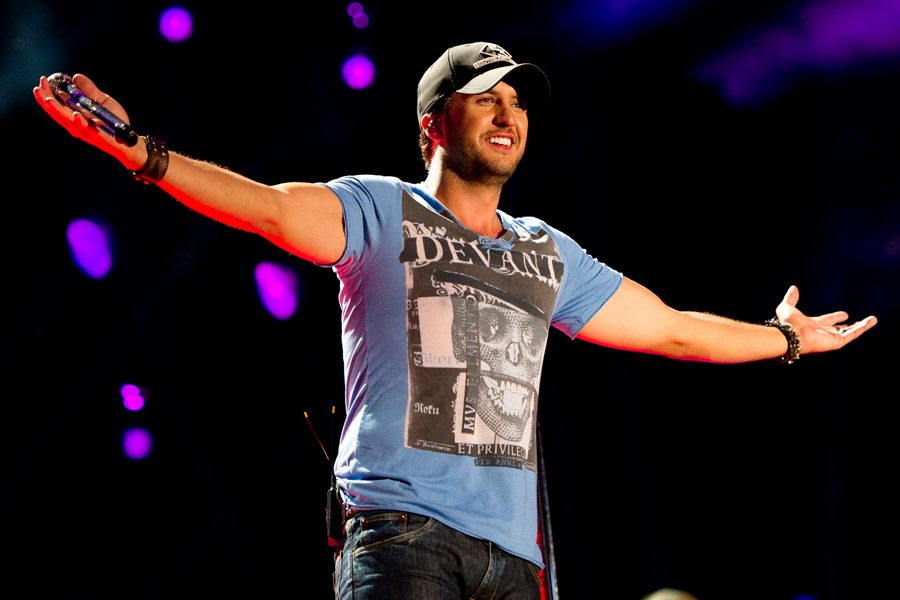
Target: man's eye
486	100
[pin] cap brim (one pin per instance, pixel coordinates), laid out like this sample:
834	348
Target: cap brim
530	81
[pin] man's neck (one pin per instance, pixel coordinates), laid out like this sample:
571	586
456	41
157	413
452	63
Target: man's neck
474	204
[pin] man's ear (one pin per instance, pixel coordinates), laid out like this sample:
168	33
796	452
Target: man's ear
431	124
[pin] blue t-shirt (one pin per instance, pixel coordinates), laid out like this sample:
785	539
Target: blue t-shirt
444	333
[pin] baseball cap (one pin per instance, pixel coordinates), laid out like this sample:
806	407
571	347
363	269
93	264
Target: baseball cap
475	68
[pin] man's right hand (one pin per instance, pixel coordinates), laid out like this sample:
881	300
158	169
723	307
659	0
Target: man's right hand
86	128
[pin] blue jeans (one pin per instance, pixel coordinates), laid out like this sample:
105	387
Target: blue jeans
391	555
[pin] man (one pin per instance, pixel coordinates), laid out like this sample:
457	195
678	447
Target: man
447	303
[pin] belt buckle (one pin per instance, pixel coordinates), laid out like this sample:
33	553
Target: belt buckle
349	511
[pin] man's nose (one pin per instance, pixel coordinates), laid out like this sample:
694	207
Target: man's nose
504	117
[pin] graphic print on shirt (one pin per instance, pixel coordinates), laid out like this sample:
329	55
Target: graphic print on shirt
478	312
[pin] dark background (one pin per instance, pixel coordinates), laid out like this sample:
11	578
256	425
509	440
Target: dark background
733	482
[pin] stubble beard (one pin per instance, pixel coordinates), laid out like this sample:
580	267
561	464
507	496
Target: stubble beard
472	166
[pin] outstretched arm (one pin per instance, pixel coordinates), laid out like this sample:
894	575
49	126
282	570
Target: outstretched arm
304	219
636	319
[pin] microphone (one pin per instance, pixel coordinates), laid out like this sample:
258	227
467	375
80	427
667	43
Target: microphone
68	93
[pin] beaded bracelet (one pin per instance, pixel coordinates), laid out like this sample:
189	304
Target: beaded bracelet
157	161
793	340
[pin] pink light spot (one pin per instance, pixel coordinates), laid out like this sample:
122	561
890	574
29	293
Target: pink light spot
137	443
176	24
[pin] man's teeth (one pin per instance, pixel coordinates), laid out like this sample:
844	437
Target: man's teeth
500	140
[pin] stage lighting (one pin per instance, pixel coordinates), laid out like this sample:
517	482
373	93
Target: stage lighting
176	24
89	244
131	397
278	289
358	71
137	443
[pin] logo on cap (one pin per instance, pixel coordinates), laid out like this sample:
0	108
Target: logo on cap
494	53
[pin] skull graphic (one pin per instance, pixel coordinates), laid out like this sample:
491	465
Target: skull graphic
509	347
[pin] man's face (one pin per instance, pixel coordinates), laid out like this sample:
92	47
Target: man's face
485	134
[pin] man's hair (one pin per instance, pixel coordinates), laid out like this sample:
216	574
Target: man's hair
426	144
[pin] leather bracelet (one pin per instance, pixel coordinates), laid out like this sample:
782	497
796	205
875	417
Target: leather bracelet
157	161
793	340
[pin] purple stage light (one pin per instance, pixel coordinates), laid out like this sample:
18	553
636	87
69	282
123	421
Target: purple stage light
176	24
137	443
278	289
892	248
358	71
90	247
131	397
604	22
828	35
361	21
358	14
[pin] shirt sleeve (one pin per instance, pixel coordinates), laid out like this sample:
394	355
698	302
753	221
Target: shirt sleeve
366	205
586	286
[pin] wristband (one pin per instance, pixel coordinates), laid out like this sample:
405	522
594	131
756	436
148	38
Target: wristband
793	340
157	161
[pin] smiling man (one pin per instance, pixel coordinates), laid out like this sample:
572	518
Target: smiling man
446	306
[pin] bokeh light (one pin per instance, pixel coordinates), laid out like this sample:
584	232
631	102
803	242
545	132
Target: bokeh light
823	36
137	443
278	289
358	71
605	22
176	24
132	399
358	15
89	244
361	21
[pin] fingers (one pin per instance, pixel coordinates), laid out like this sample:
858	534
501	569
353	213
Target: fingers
86	85
49	97
859	327
851	332
43	92
792	295
832	318
788	306
51	105
71	120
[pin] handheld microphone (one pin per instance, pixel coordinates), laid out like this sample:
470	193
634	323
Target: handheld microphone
68	93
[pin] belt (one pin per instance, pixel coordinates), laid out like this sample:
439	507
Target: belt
336	529
348	511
